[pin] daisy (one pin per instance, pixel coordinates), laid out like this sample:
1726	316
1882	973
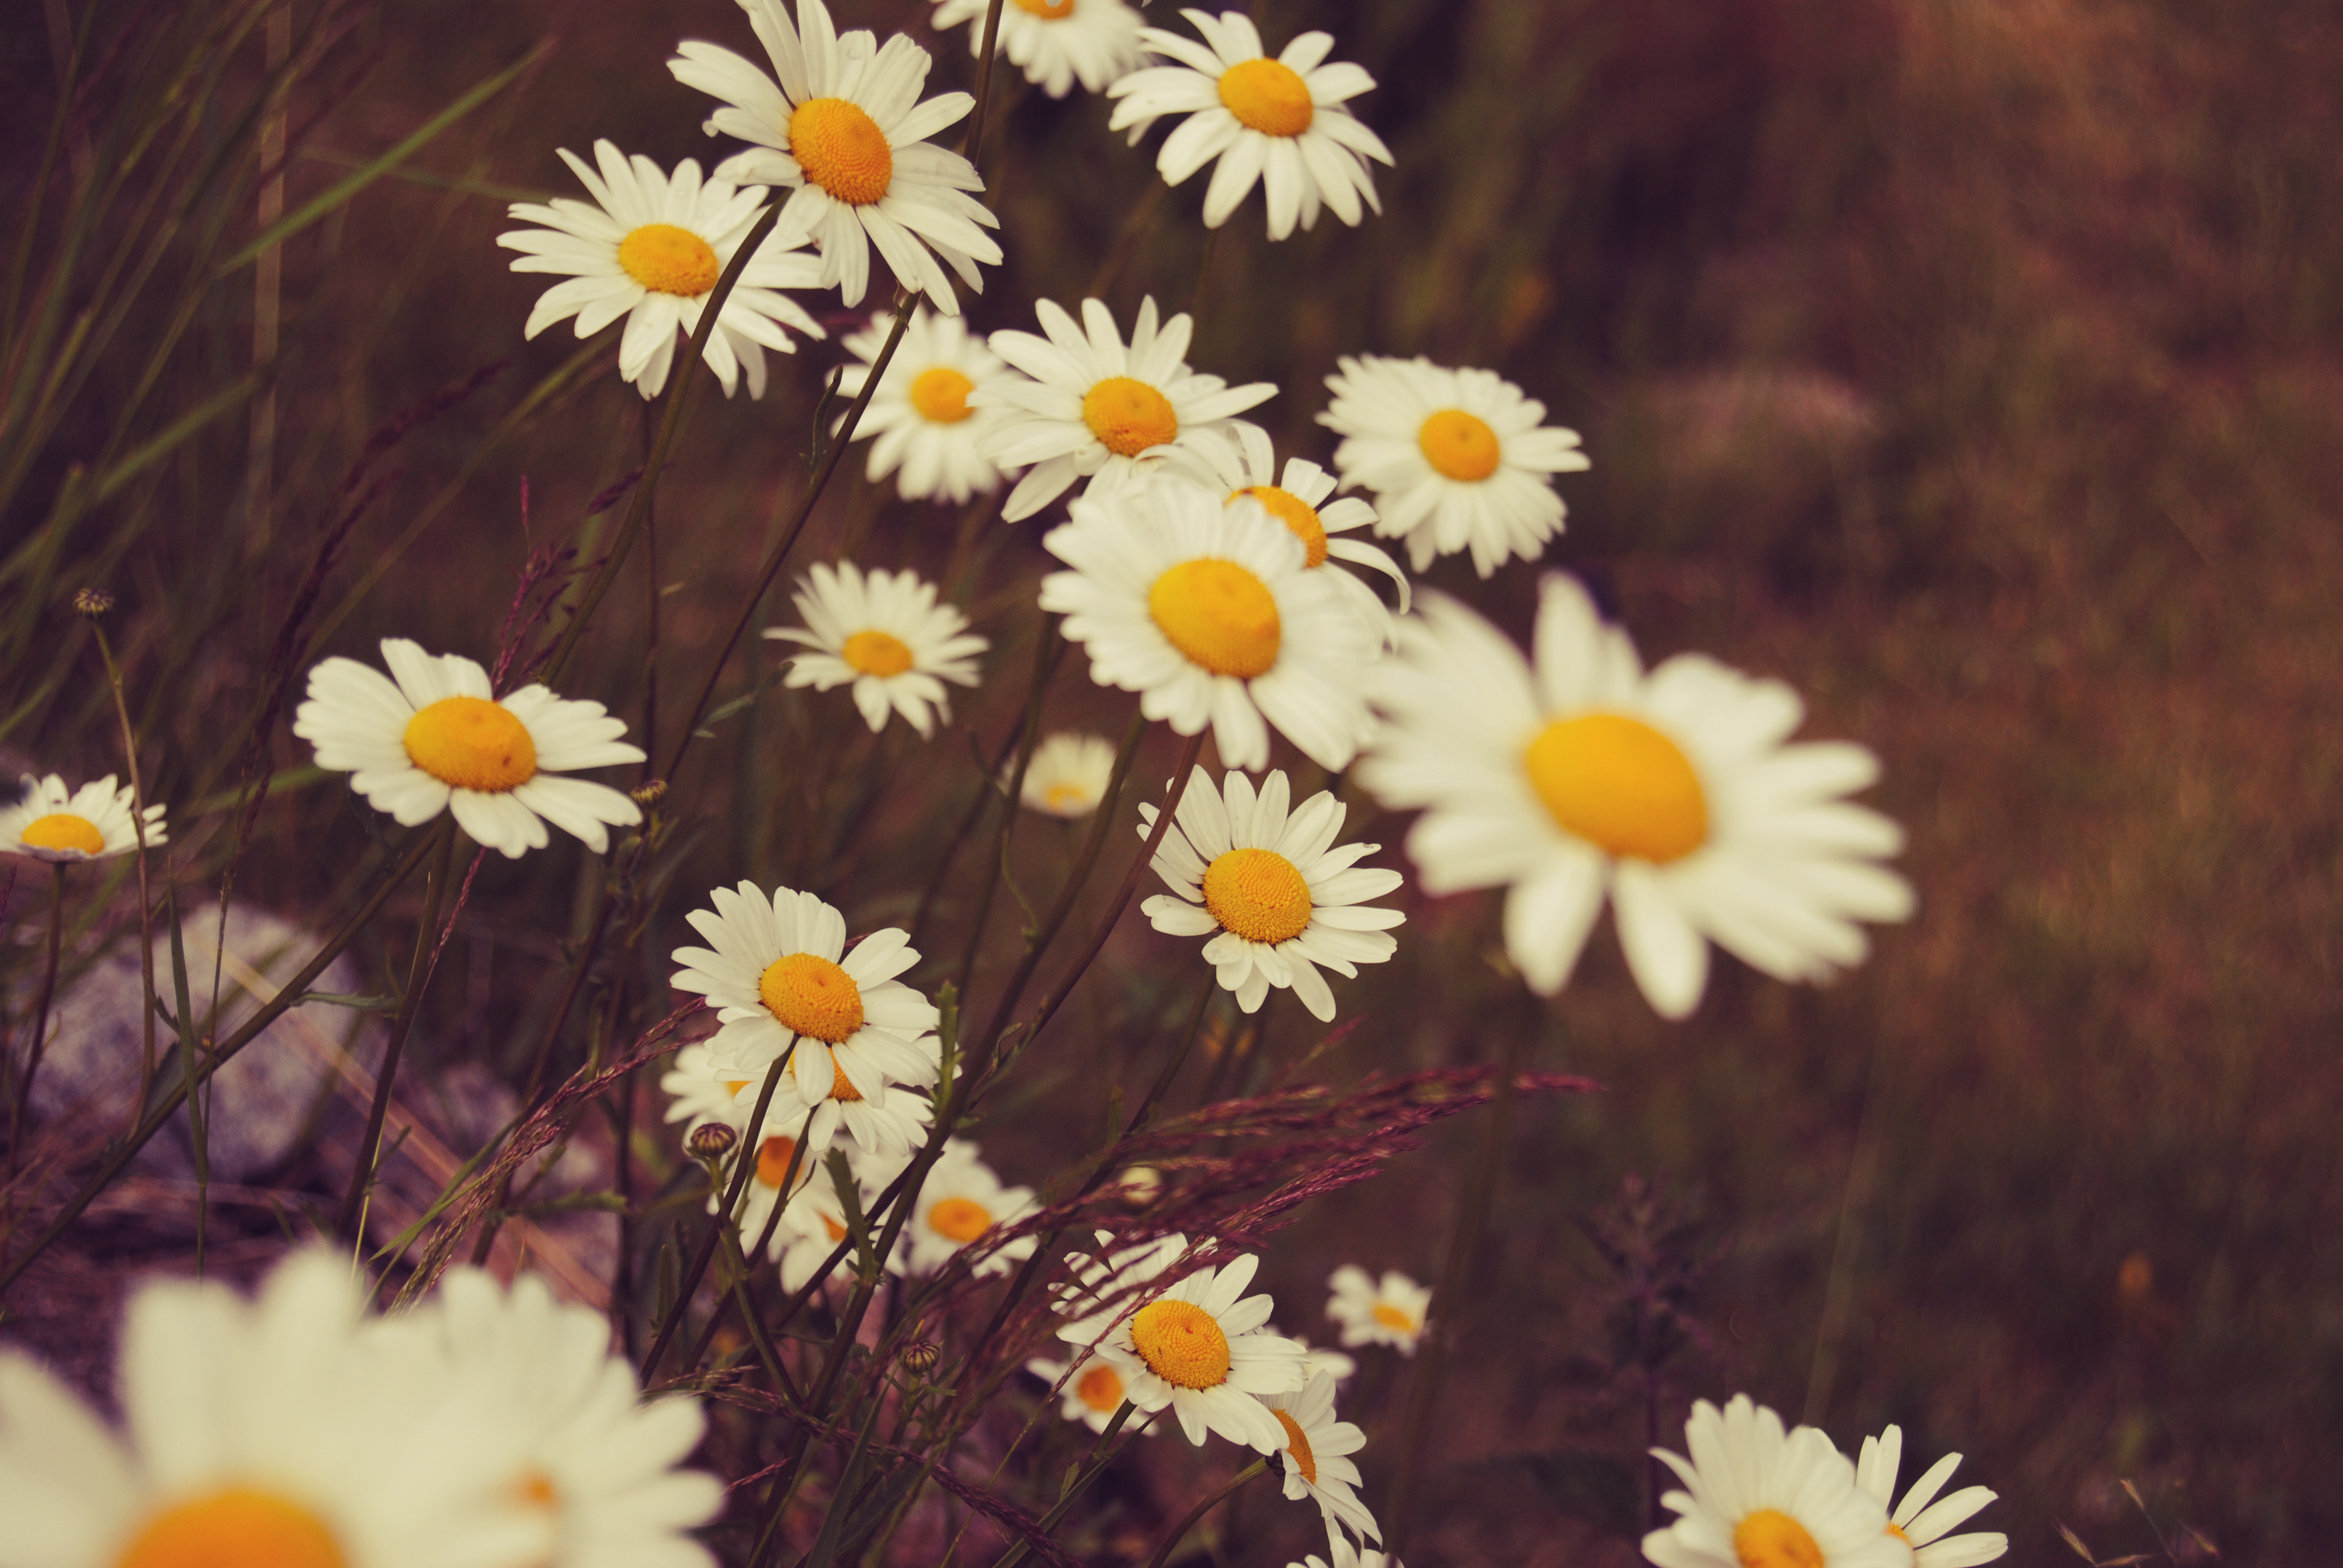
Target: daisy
1390	1312
63	826
1912	1520
1055	41
845	130
1095	409
1103	1285
1455	458
1090	1396
1199	1348
1280	122
961	1203
886	634
919	415
1212	614
1269	886
433	737
1341	1368
1314	1457
1676	792
1068	774
698	1094
1348	1556
650	247
1758	1498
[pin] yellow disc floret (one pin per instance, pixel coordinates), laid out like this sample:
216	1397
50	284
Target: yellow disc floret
813	996
841	149
1220	615
1180	1343
63	830
1297	1447
1770	1538
1257	894
666	259
468	743
1460	445
239	1527
1621	785
1100	1388
1048	10
961	1220
773	1157
1129	415
1296	514
940	395
1268	96
879	653
1390	1317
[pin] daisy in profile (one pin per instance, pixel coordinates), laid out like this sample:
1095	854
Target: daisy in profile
1267	884
698	1094
1199	1349
885	634
1095	409
920	417
1676	793
1068	774
1926	1528
1212	614
650	247
1389	1311
1458	458
1282	123
1315	1457
1756	1497
1055	41
63	826
433	737
845	130
961	1203
1090	1396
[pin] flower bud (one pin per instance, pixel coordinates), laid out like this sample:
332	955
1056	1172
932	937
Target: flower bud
712	1140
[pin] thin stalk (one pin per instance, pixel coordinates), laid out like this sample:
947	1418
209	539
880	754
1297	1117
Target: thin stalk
419	978
973	139
1095	1461
764	1240
1044	665
1179	1532
40	1020
146	893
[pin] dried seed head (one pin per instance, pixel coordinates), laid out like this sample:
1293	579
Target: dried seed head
90	603
712	1140
649	793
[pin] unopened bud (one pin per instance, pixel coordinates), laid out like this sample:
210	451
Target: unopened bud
712	1140
920	1355
90	603
649	793
1140	1185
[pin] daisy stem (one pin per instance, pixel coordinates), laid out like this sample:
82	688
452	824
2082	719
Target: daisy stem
40	1019
1044	666
748	1300
146	894
1096	1461
1179	1532
973	139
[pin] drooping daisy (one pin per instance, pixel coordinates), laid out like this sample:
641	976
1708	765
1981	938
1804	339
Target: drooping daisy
1915	1520
1456	458
1759	1498
650	247
1676	792
1068	774
961	1203
1280	122
433	737
845	130
1199	1349
1314	1457
1091	1395
1269	886
887	635
1390	1311
1054	41
1097	411
920	415
62	826
1212	615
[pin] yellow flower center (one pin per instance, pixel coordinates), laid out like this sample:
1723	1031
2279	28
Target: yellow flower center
1180	1343
1897	1530
836	1232
958	1219
467	743
237	1527
1621	785
813	996
1297	1447
841	1088
1770	1538
940	395
1267	97
63	830
1048	10
666	259
1100	1388
1218	614
773	1157
1129	415
1390	1317
841	149
1296	514
536	1490
1257	894
879	653
1459	445
1065	800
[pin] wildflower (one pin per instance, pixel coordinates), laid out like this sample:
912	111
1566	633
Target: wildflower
1758	1498
1914	1520
64	825
961	1203
1199	1349
1103	1288
885	635
1390	1313
1068	774
1314	1457
1054	41
918	419
1346	1555
1091	1395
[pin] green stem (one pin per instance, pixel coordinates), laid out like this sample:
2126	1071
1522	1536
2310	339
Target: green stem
1179	1532
1093	1463
40	1020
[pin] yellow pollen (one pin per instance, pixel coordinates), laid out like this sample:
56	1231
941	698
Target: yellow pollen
63	830
468	743
773	1156
1100	1388
1048	10
940	395
1459	445
1065	798
1268	96
879	653
239	1527
1297	1447
1296	514
1390	1317
1129	415
841	149
958	1219
1180	1343
666	259
1897	1530
1257	894
1770	1538
1219	615
536	1490
813	996
1621	785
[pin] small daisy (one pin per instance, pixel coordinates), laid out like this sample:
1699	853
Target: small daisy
650	247
920	415
1759	1498
1095	409
845	130
1199	1348
1314	1457
1212	615
1068	774
698	1094
1676	793
1268	885
1055	41
1455	458
1390	1312
1280	122
961	1203
1090	1396
1913	1521
886	634
433	737
63	826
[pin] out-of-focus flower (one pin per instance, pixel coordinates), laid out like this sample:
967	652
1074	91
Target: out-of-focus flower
920	417
1389	1311
1090	1396
1067	775
63	826
1054	41
1921	1519
1759	1498
1199	1348
961	1203
885	635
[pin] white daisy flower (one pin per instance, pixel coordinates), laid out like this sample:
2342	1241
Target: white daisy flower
1913	1521
1314	1459
1283	123
1759	1498
845	130
814	1221
1675	792
1315	1359
1106	1286
1212	614
885	635
698	1094
650	247
1068	774
63	826
1390	1311
1456	458
433	737
1270	888
919	419
1054	41
1097	411
961	1203
1090	1396
1199	1348
1346	1555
